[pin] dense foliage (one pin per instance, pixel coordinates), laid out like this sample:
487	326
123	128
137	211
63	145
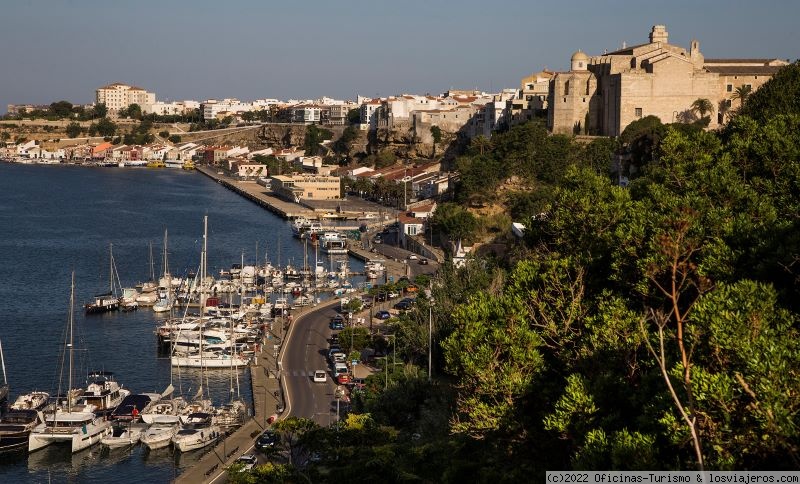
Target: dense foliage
648	327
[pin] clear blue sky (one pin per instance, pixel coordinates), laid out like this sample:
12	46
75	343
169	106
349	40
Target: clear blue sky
198	49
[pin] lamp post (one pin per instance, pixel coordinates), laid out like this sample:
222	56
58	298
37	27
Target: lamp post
429	295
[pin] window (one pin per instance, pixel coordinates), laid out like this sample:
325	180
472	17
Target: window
729	88
638	112
748	86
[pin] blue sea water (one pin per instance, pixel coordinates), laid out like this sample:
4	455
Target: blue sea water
59	219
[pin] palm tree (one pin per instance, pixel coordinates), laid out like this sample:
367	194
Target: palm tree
742	92
481	143
702	106
723	109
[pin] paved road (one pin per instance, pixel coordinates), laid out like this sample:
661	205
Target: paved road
306	349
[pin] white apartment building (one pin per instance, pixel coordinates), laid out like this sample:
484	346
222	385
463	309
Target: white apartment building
369	120
172	109
118	96
212	107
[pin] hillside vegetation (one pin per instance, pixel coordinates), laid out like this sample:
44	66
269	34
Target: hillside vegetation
647	327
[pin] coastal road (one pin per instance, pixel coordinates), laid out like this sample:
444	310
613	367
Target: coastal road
305	350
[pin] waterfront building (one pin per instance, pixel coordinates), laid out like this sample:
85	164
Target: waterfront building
298	187
118	96
601	95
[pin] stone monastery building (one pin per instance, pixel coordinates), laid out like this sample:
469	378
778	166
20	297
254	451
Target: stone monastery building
601	95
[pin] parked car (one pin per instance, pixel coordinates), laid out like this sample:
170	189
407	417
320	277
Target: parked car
377	240
339	358
383	315
413	257
403	306
343	378
267	440
380	297
394	294
423	261
336	324
332	350
248	461
412	288
409	300
366	302
340	369
320	376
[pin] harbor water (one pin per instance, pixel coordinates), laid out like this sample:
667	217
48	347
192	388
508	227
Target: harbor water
56	219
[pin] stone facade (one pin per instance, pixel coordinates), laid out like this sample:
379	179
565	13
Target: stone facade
602	95
119	96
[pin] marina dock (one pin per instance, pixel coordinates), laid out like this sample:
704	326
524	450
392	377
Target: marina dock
267	402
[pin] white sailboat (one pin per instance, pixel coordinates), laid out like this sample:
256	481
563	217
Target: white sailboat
76	425
164	302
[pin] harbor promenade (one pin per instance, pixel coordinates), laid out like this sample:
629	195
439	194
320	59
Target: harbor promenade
268	403
259	195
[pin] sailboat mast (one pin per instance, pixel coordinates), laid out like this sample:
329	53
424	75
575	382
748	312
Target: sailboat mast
71	321
3	360
111	268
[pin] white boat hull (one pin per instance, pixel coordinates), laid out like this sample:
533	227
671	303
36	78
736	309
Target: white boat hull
77	438
127	439
158	437
197	440
197	362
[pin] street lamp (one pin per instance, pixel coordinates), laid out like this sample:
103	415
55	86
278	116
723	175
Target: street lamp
429	295
338	394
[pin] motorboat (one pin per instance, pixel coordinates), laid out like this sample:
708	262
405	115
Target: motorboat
198	432
31	401
16	427
102	303
230	415
216	360
103	392
159	435
123	436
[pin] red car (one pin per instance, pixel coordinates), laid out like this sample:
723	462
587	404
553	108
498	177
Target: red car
343	378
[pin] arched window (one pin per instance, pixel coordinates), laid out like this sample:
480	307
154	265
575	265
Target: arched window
566	88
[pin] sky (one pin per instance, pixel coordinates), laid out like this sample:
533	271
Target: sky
253	49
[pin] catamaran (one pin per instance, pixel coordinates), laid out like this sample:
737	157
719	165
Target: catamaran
76	425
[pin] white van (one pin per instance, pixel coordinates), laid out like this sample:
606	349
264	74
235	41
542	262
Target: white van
339	369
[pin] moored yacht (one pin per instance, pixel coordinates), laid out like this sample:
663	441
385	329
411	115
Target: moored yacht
198	432
103	392
15	428
78	426
159	435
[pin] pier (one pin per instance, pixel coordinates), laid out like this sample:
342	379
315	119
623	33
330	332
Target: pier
258	194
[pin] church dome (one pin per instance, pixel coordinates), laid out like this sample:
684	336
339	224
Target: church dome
579	61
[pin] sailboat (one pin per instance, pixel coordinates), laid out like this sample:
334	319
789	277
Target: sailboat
198	429
108	301
164	302
148	294
76	425
205	359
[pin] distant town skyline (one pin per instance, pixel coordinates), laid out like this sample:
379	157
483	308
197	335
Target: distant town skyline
65	49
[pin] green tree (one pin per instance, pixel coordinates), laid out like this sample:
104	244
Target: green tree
5	135
61	109
436	134
175	139
354	116
74	130
106	127
164	134
742	93
779	95
134	111
455	222
702	106
100	110
294	433
314	136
